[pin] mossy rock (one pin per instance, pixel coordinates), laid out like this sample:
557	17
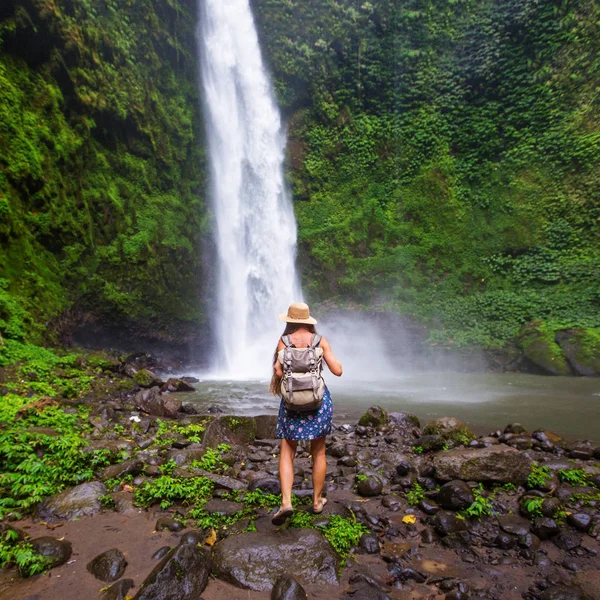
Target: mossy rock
540	348
374	417
146	379
243	427
450	429
582	348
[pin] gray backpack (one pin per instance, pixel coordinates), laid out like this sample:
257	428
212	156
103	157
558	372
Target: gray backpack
302	387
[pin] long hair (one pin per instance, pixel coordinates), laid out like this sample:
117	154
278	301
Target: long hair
275	387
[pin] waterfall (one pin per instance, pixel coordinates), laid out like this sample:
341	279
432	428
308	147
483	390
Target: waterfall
255	229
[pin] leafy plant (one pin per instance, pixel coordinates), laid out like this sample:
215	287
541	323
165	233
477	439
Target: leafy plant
212	459
168	490
415	494
532	505
538	476
22	554
481	506
577	477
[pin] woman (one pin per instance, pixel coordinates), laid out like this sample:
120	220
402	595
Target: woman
294	426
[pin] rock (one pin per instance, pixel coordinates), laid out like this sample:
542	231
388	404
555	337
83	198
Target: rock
539	348
588	581
80	501
365	591
169	524
147	379
266	426
374	417
581	521
152	402
445	523
369	543
181	575
545	528
108	566
222	507
567	540
495	463
234	431
129	467
176	385
403	420
256	560
194	537
118	591
514	428
581	451
369	485
161	552
450	429
56	551
562	592
287	588
582	349
430	443
268	485
514	525
428	506
455	495
403	468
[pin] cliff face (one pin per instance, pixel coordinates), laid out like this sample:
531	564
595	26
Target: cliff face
101	166
445	157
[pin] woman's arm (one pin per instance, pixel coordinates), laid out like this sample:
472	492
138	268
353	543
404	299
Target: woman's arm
332	362
277	365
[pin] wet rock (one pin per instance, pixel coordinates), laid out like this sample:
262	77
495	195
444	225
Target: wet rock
118	591
408	573
181	575
129	467
108	566
56	551
256	560
581	521
80	501
581	451
495	463
455	495
365	591
177	385
541	350
545	528
374	417
187	408
562	592
428	506
168	524
266	426
403	420
505	541
368	486
426	536
529	541
567	540
237	432
268	485
457	540
287	588
403	468
194	537
369	543
347	461
147	379
550	507
152	402
161	552
430	443
514	428
222	507
450	429
445	522
514	525
577	344
337	450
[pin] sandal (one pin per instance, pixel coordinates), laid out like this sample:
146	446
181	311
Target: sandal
281	516
318	511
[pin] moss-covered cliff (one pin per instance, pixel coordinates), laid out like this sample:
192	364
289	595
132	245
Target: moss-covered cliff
101	166
445	157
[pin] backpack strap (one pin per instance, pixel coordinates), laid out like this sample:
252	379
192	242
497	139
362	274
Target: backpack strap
287	340
315	340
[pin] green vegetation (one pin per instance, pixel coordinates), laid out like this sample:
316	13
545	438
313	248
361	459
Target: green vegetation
532	505
415	494
212	460
444	156
101	165
482	506
22	554
574	476
539	476
167	490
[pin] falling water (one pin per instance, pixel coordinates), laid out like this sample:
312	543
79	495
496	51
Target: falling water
255	229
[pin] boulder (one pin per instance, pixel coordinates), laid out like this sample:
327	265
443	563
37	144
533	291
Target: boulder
147	379
374	417
445	523
117	591
81	501
450	429
176	385
181	575
257	560
369	485
129	467
403	420
540	349
582	349
168	524
496	463
234	431
152	402
266	426
55	551
455	495
287	588
108	566
430	443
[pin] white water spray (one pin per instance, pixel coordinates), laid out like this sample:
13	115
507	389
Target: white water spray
255	225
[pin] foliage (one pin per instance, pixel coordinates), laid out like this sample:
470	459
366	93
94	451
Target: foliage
481	506
212	459
415	494
167	490
538	476
22	554
532	505
576	477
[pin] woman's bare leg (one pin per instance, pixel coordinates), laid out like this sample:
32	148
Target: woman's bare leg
317	449
286	470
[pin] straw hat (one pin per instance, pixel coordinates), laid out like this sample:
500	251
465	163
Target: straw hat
298	313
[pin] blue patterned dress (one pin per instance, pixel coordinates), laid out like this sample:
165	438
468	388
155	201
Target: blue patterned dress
308	425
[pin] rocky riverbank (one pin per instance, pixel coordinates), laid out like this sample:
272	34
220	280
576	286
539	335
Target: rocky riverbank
177	506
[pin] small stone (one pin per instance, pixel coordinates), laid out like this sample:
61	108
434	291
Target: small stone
169	524
581	521
287	588
455	495
567	540
374	417
369	543
445	522
56	551
161	553
371	486
545	528
428	506
403	468
108	566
